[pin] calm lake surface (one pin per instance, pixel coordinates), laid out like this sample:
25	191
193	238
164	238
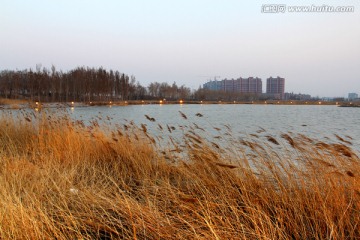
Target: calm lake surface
319	122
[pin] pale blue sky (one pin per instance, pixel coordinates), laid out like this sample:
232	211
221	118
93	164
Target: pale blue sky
187	41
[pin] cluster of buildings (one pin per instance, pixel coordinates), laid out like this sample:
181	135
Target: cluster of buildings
275	87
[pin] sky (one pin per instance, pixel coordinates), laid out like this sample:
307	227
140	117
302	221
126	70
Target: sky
188	41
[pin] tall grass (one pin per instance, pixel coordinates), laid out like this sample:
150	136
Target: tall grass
66	180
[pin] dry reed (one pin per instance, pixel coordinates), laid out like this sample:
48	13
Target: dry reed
64	179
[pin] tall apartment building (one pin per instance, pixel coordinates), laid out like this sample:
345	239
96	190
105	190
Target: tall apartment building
254	85
214	85
240	85
229	85
353	96
275	87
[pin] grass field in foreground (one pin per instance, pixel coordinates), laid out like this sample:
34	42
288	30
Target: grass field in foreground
63	179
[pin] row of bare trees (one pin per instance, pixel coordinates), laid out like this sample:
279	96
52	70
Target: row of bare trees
171	92
98	84
80	84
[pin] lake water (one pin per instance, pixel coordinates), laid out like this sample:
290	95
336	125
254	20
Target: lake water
319	122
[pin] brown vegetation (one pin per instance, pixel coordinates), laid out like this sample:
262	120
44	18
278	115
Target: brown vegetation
64	179
82	85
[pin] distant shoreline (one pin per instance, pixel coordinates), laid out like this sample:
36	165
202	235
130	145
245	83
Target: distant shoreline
20	104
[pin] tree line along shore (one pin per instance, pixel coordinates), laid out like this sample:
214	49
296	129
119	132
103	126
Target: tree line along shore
98	86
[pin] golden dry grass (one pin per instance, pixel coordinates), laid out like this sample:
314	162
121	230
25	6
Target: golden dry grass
65	180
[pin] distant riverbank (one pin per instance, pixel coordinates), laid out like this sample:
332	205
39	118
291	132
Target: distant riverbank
18	104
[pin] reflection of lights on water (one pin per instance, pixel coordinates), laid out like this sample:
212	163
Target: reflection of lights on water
72	109
36	109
